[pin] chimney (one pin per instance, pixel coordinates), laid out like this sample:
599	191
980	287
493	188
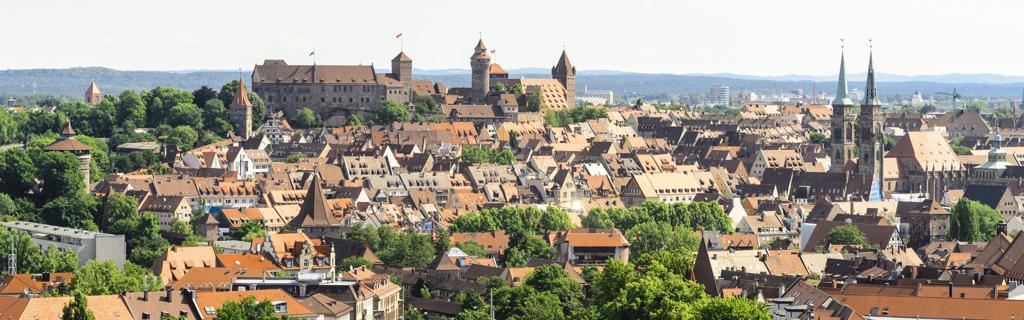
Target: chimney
169	295
145	295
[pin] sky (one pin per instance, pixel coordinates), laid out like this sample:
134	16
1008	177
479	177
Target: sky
753	37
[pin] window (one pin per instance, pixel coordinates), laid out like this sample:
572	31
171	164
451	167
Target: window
210	310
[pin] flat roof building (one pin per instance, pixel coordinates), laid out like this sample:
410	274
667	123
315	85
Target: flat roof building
89	245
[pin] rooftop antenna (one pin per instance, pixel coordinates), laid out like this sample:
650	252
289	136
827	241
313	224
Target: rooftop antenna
12	258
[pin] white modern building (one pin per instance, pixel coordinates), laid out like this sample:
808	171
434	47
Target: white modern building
89	245
719	95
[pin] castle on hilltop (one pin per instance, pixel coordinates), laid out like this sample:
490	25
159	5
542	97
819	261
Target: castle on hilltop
336	91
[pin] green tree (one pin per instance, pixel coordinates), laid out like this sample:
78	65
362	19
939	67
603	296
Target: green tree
131	110
554	219
294	158
973	221
17	172
847	235
55	260
159	102
500	88
305	118
820	138
717	308
597	218
142	234
9	131
204	94
653	236
390	112
27	252
180	227
104	277
354	120
251	230
522	248
552	278
533	102
131	161
247	309
517	89
958	148
74	210
365	233
472	315
472	248
60	174
625	292
215	118
77	309
404	249
115	207
425	105
442	240
182	136
354	262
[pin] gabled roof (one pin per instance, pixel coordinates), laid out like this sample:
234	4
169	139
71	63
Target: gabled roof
987	195
929	149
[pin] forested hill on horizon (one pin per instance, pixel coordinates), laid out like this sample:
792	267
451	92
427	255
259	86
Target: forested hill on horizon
74	81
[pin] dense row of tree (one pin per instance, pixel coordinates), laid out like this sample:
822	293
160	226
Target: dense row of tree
654	286
522	225
562	118
180	117
474	155
653	226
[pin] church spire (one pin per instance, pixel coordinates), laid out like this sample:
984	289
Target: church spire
870	90
842	94
241	96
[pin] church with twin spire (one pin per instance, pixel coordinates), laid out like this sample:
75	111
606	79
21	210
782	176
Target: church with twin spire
859	135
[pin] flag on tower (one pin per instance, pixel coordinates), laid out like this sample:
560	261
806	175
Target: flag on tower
312	53
399	35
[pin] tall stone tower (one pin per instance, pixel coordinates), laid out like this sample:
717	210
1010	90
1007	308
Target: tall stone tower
401	68
240	112
843	145
481	64
872	135
564	72
93	94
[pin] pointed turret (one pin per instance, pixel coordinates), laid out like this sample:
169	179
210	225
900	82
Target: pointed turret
563	66
564	72
93	94
240	112
241	97
842	93
870	90
67	131
314	212
401	57
480	45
